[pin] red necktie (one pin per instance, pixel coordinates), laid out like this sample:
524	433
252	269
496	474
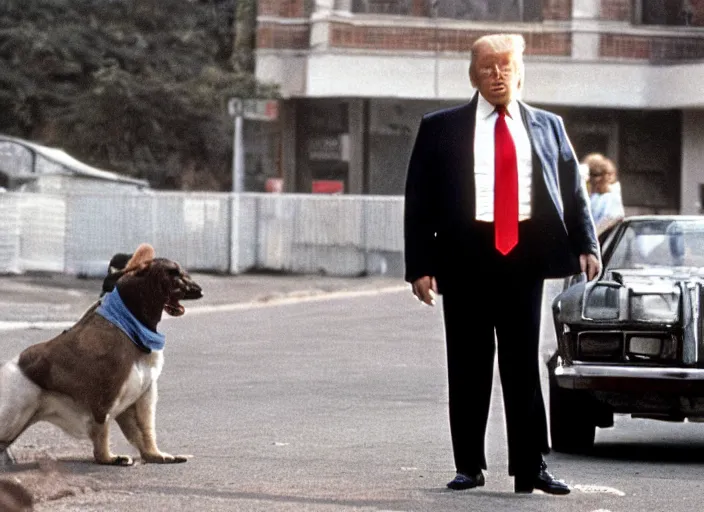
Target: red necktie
505	186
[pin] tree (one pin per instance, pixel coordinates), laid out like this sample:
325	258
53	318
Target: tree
244	36
135	86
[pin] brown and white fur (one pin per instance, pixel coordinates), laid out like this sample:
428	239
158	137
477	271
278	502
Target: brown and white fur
93	373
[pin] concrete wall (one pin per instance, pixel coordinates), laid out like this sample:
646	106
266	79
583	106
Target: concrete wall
549	81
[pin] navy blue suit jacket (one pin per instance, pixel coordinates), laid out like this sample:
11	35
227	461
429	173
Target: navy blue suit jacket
439	211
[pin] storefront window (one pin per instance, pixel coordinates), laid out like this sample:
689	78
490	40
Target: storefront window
650	163
323	145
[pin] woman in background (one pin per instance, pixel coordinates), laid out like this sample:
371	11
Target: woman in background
604	192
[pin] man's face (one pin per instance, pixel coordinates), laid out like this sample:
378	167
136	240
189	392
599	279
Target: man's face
495	75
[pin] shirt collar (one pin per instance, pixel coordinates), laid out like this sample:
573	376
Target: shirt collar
485	109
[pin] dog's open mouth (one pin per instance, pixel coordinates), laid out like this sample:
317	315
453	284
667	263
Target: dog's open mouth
174	308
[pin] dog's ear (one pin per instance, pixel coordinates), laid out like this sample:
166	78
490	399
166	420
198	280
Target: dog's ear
143	254
139	262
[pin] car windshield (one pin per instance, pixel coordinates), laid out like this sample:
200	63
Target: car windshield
659	243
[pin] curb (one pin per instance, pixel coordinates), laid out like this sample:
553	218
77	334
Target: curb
296	297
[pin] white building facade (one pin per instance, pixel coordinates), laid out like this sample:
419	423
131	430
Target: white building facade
357	75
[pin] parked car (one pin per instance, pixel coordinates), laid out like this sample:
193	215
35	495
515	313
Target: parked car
631	341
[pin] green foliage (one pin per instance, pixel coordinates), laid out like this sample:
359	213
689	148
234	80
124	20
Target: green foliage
135	86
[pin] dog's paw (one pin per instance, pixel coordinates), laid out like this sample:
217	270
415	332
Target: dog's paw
163	458
123	460
117	460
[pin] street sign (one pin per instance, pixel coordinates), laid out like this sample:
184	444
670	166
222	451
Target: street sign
253	109
261	110
234	107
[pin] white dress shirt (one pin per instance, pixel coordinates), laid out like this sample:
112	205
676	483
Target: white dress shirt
484	159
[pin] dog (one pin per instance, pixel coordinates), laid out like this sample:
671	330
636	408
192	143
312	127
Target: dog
95	371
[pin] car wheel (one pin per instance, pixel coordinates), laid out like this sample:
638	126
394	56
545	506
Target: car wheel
572	428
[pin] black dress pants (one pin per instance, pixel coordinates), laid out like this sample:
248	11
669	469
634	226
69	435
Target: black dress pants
499	295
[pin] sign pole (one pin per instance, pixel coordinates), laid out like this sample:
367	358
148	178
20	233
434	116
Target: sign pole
236	110
238	157
240	109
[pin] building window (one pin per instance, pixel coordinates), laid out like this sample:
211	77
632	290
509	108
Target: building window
494	10
673	12
475	10
397	7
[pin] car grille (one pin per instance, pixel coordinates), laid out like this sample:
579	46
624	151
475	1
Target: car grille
633	347
600	346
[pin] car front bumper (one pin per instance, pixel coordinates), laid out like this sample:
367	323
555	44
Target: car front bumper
620	378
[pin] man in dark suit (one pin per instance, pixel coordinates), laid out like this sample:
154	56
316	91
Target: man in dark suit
494	205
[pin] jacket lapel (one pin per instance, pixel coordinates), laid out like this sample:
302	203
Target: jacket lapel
468	122
545	177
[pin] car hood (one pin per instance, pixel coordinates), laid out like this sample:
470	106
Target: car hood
618	297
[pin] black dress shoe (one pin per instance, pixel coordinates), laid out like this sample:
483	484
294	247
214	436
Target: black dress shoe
462	481
544	481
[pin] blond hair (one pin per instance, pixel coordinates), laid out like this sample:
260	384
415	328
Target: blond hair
599	164
515	44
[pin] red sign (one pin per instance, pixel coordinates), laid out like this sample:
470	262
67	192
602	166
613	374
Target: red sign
328	186
271	111
274	185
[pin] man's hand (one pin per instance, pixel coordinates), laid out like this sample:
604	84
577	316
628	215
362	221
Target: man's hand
425	288
590	265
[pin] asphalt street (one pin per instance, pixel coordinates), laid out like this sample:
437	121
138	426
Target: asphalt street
323	398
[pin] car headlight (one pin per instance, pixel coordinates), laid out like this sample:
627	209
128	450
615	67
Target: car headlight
652	345
661	307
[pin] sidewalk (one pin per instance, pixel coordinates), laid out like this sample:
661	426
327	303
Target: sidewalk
45	297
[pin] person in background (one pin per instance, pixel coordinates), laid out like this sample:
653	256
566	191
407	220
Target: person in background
494	205
604	192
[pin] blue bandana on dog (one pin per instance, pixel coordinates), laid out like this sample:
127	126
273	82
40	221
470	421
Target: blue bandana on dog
114	311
